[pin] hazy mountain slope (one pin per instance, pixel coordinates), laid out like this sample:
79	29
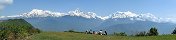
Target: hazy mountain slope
81	21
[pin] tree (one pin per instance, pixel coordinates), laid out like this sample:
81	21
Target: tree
141	34
71	30
120	34
153	32
174	32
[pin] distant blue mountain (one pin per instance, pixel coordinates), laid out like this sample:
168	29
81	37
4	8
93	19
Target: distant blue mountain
128	22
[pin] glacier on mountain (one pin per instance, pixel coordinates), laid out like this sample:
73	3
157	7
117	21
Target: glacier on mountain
77	12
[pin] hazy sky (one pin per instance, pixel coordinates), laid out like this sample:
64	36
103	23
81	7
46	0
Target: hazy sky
160	8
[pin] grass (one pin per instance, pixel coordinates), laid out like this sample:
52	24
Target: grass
81	36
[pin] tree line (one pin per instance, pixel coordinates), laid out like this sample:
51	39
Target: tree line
152	32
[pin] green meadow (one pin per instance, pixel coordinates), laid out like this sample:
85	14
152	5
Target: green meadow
82	36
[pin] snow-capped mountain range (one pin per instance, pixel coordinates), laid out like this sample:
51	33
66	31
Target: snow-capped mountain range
128	22
77	12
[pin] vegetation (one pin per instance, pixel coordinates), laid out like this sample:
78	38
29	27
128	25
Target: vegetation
16	29
73	31
120	34
19	29
81	36
153	32
174	32
141	34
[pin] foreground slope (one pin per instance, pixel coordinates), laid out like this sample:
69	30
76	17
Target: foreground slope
80	36
16	29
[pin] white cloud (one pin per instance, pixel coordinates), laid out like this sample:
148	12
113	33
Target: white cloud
4	3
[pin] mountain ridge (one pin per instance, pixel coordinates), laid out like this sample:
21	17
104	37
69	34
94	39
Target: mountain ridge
89	15
78	20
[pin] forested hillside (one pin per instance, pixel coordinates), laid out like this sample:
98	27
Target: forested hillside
16	29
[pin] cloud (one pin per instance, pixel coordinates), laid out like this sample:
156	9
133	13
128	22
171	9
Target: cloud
4	3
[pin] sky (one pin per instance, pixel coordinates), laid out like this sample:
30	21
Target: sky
160	8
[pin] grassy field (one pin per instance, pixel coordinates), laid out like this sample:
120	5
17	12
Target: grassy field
80	36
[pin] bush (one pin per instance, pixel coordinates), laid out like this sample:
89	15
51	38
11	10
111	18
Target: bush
120	34
141	34
73	31
70	30
174	32
153	32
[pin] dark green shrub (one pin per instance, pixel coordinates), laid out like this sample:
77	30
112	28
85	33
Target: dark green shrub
174	32
120	34
141	34
153	32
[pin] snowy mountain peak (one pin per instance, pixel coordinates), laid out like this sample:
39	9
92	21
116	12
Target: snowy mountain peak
2	16
39	12
36	12
134	16
103	17
77	12
42	13
45	13
127	14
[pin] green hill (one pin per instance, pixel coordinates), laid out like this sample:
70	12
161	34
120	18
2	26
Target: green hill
81	36
16	29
